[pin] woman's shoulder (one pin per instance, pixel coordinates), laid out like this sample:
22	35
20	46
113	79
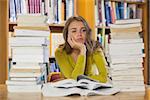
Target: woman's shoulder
59	51
98	50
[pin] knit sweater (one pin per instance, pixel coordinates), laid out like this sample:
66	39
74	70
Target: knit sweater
71	69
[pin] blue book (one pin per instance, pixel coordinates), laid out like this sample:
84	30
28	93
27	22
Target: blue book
107	13
117	11
121	9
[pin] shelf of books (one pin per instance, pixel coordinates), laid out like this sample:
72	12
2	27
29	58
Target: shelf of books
121	28
36	27
56	11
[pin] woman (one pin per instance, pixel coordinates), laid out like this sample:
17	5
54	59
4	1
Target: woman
79	54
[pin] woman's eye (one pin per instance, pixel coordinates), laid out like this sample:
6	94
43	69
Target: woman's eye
73	31
83	30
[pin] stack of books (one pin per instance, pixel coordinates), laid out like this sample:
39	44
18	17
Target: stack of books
30	56
125	55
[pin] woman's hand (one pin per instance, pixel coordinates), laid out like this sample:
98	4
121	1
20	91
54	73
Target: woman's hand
77	45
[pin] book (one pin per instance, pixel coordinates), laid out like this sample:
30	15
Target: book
126	29
124	35
82	86
138	40
31	31
28	41
128	21
31	20
24	88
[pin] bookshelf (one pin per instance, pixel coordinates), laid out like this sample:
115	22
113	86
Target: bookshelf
3	40
143	5
83	8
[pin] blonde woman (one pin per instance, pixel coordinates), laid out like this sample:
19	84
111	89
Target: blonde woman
80	55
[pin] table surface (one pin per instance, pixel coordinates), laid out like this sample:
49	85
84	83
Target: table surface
4	95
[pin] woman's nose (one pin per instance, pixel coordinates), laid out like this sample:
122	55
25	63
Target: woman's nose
79	33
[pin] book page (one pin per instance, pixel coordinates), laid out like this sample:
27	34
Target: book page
92	84
49	90
66	83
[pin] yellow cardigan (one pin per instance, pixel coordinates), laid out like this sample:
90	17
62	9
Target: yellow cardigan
70	69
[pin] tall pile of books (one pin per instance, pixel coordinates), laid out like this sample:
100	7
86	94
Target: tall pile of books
30	55
125	55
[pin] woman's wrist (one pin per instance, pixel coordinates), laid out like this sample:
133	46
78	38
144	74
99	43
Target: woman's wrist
83	50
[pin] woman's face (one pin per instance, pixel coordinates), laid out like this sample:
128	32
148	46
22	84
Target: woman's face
77	31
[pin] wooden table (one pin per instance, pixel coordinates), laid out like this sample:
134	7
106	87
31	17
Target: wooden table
4	95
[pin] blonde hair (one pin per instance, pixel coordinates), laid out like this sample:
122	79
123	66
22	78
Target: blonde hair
90	44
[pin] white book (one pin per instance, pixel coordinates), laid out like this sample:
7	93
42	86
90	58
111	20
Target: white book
69	86
50	91
27	65
136	88
51	12
23	79
126	60
11	82
127	83
69	8
127	21
31	20
28	58
12	11
129	78
32	32
24	8
24	74
126	72
28	41
126	46
125	35
117	68
126	49
116	41
125	25
25	88
28	50
59	11
125	56
125	66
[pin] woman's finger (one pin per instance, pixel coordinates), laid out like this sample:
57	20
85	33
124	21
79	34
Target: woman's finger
70	42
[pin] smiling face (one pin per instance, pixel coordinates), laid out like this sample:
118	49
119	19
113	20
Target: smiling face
77	31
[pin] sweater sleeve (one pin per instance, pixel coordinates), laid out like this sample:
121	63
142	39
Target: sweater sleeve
66	67
100	62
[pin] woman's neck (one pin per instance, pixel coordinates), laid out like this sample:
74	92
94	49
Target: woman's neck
75	54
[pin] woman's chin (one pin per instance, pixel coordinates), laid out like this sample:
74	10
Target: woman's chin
80	41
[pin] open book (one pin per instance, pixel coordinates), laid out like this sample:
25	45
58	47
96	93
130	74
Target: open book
82	86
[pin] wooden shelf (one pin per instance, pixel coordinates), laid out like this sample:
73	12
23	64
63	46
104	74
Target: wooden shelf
3	41
11	25
58	25
130	2
57	28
